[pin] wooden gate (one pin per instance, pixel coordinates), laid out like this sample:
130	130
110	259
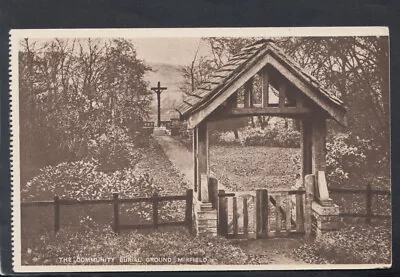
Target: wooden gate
263	214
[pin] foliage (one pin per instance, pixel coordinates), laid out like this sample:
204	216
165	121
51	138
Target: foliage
83	180
350	245
271	137
93	240
356	69
115	149
73	90
346	158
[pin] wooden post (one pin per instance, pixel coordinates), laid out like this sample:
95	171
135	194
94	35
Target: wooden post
369	204
155	210
222	214
248	93
299	211
318	144
189	209
309	186
245	217
265	87
202	160
116	213
288	214
194	142
259	217
282	94
235	216
264	212
306	148
56	214
278	214
213	191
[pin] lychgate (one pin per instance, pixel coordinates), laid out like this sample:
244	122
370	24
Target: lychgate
301	97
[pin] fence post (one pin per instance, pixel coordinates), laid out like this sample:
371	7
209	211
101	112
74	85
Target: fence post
189	204
222	214
56	214
116	212
155	210
369	204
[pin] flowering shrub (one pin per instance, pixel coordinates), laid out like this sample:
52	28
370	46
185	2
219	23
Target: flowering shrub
82	180
345	158
349	245
272	137
115	150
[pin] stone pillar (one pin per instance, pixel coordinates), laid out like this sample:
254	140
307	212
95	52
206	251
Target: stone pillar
205	213
205	219
325	218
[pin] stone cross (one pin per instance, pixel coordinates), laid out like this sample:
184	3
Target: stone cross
158	89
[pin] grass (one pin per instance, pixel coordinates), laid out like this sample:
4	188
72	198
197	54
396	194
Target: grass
252	167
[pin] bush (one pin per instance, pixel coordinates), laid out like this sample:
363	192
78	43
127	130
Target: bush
350	245
346	158
83	180
99	240
115	149
271	137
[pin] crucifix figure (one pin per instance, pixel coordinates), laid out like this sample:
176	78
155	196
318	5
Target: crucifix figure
158	89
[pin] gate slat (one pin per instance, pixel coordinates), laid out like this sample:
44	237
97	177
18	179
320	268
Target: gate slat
245	217
264	212
235	216
288	214
299	212
278	214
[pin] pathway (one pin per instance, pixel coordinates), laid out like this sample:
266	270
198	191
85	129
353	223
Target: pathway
179	156
265	250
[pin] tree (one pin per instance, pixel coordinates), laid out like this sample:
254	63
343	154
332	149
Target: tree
200	69
357	69
74	90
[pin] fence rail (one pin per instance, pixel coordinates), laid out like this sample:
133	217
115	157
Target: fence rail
116	201
369	193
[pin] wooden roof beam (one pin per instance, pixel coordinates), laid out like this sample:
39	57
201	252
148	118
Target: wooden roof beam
270	111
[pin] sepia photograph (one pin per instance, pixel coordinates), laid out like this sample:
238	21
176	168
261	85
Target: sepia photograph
201	149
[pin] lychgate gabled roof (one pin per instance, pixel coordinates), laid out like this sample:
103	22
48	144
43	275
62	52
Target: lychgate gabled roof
245	64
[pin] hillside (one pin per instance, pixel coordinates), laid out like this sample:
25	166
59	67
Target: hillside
170	76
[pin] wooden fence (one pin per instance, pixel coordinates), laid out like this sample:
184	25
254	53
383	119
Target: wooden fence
116	201
369	193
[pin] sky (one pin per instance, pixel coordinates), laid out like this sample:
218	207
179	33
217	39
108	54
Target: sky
179	51
172	50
